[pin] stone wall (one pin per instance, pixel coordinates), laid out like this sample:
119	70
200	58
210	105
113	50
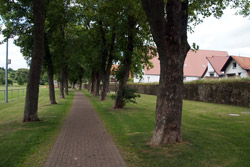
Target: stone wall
234	93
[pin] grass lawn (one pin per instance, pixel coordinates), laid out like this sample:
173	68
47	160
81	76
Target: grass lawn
211	137
28	144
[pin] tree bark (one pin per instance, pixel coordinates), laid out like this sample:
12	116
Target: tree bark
119	102
107	70
89	85
50	70
66	82
62	83
93	82
97	84
31	101
81	71
171	39
80	86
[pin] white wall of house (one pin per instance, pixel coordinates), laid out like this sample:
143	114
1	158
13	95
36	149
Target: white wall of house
190	78
148	78
237	71
210	71
156	78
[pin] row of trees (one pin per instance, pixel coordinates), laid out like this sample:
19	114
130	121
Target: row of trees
76	39
19	76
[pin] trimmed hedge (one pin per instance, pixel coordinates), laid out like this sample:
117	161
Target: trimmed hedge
232	93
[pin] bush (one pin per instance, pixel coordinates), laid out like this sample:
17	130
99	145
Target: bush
20	81
127	95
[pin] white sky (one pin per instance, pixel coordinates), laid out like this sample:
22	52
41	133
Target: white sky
230	33
17	60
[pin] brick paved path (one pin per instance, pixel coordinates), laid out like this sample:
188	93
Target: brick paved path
83	140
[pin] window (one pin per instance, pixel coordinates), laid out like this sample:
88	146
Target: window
211	74
234	65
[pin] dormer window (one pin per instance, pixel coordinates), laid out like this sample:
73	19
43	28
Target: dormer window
234	65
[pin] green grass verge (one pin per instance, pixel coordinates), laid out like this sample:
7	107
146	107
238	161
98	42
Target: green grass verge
211	137
12	94
28	144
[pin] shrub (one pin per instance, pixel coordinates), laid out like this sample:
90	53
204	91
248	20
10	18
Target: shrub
127	95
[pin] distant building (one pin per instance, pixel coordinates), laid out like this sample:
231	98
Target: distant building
114	70
215	65
195	66
237	66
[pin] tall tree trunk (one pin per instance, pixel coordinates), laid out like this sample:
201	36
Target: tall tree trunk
80	86
97	84
74	85
107	70
89	85
80	77
105	87
93	81
170	36
31	101
66	81
119	102
50	70
62	82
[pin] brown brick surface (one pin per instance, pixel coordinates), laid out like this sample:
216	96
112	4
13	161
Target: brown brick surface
83	140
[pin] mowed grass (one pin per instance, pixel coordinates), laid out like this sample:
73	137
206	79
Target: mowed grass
13	93
28	144
211	137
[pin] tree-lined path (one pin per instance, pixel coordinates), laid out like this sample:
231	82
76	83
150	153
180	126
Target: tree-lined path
83	140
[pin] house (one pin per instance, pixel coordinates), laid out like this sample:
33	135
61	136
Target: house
195	66
153	74
114	70
215	65
237	66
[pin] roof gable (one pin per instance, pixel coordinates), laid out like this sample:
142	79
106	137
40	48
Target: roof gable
217	62
244	62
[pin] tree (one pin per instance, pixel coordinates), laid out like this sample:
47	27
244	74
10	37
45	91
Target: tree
169	24
134	43
31	101
22	73
20	80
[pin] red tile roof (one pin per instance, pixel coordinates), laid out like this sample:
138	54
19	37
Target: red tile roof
218	62
244	62
195	63
156	66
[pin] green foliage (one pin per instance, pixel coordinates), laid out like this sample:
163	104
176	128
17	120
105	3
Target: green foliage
20	81
211	137
22	73
127	95
243	7
11	76
44	79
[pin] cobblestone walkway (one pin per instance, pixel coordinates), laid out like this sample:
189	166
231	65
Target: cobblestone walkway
83	140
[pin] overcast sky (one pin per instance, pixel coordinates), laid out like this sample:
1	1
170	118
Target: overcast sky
230	33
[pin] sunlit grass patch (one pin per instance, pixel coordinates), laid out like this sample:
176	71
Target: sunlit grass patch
212	138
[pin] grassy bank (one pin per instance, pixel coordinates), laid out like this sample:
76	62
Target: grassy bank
27	144
212	138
